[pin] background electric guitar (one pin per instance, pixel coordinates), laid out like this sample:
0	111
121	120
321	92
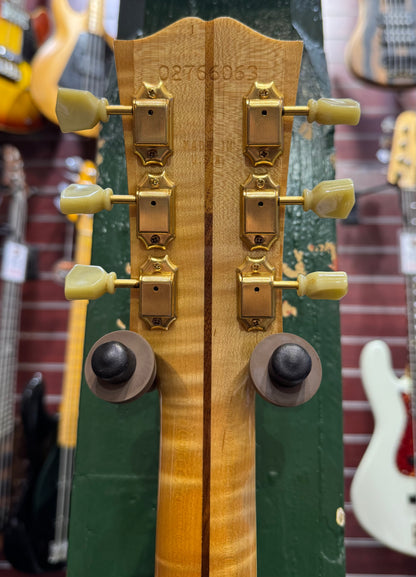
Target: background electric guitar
185	268
383	491
35	538
18	112
77	55
13	274
68	414
382	49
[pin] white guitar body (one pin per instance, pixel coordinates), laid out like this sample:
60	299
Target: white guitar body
380	494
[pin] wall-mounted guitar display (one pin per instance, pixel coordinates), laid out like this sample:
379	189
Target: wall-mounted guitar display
197	207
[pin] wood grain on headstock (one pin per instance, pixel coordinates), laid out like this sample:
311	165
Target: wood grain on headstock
206	505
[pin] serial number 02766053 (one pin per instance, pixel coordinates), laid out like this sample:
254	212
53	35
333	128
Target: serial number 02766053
216	72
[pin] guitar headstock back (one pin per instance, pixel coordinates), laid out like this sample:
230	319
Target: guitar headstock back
207	114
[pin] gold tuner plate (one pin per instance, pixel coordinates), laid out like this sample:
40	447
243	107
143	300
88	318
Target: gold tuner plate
157	305
155	211
152	124
257	304
257	301
262	124
259	212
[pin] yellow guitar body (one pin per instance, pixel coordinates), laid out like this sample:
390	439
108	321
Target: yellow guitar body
18	112
52	58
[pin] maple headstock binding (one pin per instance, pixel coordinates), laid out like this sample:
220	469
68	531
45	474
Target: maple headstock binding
207	143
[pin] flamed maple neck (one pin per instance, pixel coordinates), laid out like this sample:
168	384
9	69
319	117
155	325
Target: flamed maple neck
206	519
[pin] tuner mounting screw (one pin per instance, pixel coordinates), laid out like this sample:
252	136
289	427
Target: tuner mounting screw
151	153
155	239
154	182
156	266
263	153
151	93
260	183
156	321
258	239
264	93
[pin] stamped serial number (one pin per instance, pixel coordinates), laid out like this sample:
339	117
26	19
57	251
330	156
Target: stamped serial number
217	72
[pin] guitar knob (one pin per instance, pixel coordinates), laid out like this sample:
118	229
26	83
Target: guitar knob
289	365
330	198
91	282
285	370
318	285
334	111
90	199
85	199
113	362
120	367
323	285
80	109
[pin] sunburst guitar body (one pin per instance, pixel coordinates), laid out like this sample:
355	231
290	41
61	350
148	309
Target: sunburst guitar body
18	112
207	115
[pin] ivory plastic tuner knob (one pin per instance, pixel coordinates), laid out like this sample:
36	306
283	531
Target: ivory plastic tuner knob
323	285
318	285
330	198
85	199
91	282
334	111
79	109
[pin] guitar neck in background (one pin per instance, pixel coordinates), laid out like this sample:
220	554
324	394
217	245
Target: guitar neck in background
13	274
382	49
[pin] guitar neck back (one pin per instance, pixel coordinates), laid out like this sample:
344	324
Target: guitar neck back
207	459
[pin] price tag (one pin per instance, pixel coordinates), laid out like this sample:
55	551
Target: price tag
408	252
14	264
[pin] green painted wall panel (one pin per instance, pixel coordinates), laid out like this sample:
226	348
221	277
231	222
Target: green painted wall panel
299	451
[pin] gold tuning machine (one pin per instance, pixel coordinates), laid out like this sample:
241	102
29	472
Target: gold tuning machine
264	111
151	111
154	201
257	284
157	284
260	201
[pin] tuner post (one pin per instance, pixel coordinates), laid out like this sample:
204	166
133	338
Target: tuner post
156	284
261	199
257	284
151	110
263	119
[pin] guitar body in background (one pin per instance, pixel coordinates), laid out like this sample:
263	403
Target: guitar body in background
383	491
382	49
77	55
382	496
18	112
